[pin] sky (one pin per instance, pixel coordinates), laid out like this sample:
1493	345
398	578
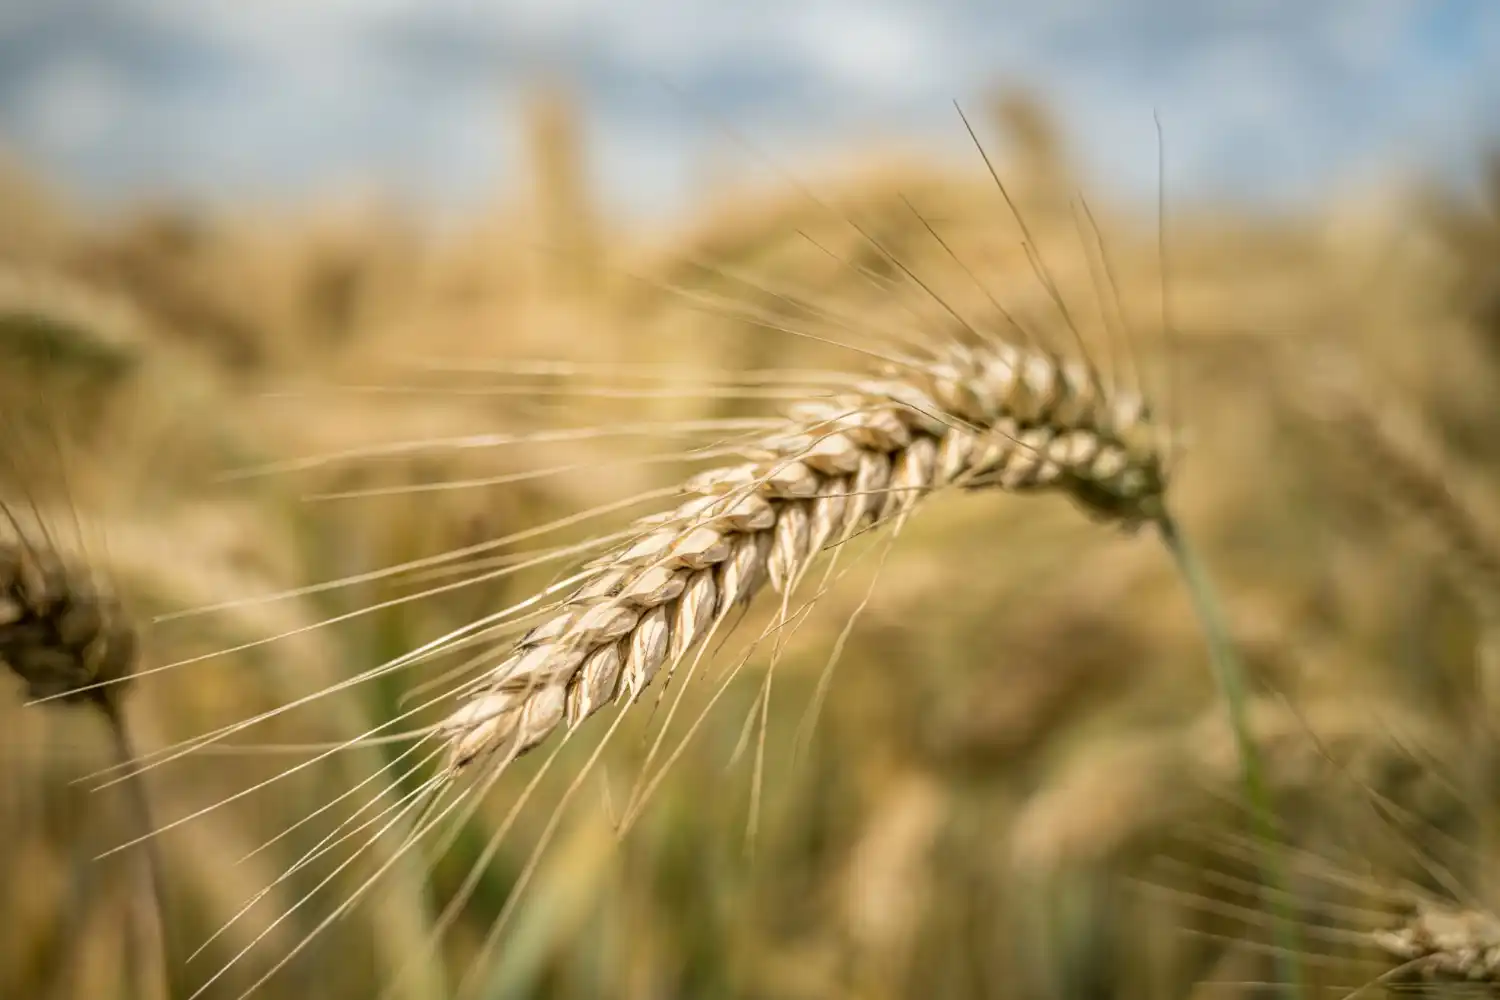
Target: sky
284	99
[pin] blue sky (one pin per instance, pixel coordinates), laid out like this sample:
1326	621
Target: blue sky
294	98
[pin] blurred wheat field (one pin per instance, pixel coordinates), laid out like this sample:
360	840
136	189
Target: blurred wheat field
1019	784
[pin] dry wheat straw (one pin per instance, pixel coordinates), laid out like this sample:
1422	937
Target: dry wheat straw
998	416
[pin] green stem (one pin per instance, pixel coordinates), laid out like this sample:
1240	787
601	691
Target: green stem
1229	675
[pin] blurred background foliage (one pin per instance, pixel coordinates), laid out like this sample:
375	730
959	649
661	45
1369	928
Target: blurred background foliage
1018	785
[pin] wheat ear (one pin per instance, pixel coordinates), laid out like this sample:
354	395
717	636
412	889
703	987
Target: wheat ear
1441	942
69	641
993	417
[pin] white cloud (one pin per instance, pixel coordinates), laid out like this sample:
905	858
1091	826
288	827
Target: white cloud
884	51
280	94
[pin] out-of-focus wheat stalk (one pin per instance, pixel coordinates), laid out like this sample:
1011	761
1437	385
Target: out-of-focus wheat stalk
1394	447
569	264
70	642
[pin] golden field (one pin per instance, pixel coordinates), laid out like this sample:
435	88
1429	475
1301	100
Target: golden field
1019	783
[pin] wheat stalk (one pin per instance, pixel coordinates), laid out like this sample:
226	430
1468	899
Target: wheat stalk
991	417
70	642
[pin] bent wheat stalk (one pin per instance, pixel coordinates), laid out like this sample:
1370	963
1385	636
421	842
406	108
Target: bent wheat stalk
997	416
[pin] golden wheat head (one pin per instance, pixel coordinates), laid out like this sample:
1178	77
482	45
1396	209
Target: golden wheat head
997	417
63	637
1443	942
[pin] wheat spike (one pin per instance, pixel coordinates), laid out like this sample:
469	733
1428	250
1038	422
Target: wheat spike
63	637
1444	942
993	417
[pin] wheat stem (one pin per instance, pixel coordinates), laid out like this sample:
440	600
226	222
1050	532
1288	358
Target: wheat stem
1229	676
149	959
